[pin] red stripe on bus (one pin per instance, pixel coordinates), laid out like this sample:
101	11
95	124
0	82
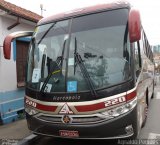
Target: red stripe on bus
46	108
93	107
131	95
39	106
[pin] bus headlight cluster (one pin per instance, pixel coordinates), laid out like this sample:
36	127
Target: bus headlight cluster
30	111
114	112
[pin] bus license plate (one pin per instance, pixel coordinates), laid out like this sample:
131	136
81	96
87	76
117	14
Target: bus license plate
68	133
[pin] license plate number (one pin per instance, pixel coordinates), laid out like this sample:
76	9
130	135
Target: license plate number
68	133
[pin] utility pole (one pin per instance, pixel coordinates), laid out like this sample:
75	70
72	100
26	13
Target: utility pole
42	9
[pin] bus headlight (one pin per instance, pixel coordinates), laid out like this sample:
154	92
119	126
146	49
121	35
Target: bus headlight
114	112
30	111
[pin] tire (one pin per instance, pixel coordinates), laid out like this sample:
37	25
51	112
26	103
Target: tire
145	112
153	92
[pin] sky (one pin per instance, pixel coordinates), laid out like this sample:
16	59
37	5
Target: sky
149	9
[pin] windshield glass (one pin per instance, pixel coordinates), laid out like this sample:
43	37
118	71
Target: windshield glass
80	54
46	55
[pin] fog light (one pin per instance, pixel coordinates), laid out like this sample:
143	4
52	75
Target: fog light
129	129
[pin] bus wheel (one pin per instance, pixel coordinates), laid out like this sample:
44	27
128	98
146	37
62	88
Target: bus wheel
152	92
145	113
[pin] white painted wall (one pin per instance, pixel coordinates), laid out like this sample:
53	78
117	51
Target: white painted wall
8	78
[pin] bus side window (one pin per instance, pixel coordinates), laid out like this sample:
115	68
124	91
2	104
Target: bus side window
137	54
147	47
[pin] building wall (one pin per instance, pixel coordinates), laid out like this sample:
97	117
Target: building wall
11	97
8	78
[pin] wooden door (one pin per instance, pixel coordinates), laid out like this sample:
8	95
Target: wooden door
21	58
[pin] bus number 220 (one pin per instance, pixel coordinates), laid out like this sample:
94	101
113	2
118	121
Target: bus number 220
115	101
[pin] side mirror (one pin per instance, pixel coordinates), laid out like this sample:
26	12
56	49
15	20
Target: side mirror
134	25
9	38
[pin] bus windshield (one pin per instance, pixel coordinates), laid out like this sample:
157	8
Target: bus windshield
80	54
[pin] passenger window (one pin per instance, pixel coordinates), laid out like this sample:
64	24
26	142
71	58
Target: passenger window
137	55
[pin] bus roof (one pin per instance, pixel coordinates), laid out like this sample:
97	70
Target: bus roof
84	11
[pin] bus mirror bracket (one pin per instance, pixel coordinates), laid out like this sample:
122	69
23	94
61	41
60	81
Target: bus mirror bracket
134	25
9	38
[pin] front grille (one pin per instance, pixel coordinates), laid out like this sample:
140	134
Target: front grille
50	119
75	119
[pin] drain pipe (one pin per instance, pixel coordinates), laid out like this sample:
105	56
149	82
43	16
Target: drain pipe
15	24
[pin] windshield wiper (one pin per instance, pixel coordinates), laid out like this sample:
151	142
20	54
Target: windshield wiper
59	63
48	78
79	61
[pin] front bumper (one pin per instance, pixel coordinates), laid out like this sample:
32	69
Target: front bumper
110	129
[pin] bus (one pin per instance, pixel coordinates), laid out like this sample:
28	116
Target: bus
90	73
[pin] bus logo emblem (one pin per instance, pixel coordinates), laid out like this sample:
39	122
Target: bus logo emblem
66	110
66	119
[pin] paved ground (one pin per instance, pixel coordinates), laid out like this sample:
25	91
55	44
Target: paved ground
152	127
15	130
